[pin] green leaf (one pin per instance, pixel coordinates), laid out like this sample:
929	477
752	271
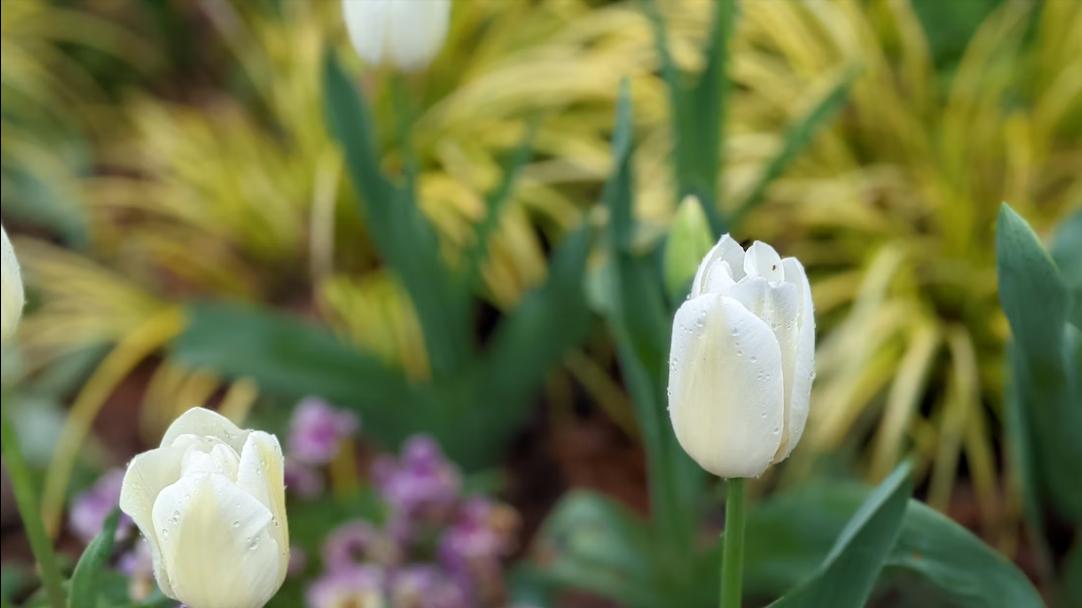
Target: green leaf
1045	363
1067	252
797	137
698	112
526	345
849	572
596	545
401	233
788	535
688	242
287	355
640	326
85	581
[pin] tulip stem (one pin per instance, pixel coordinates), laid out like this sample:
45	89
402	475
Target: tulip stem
27	505
732	559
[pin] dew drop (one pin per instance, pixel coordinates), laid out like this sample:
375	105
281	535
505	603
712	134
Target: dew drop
253	542
754	359
236	523
165	533
739	353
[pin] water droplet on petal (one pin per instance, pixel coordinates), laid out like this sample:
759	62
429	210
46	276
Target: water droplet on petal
236	523
754	359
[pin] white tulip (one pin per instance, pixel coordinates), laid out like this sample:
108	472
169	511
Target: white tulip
742	360
211	503
11	288
405	34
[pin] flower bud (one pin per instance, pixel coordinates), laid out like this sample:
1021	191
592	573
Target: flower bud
211	503
11	288
742	360
689	239
405	34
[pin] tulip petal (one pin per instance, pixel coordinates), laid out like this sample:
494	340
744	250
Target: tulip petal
416	29
778	304
202	422
366	23
262	475
216	543
804	361
762	260
722	266
148	473
725	387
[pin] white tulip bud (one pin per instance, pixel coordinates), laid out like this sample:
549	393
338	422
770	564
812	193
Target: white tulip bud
742	360
11	288
211	503
405	34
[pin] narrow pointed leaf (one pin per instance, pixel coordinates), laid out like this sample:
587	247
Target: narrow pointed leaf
797	137
1044	359
289	356
401	233
86	581
848	574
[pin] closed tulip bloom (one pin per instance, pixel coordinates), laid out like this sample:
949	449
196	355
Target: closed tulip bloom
211	503
11	288
742	360
405	34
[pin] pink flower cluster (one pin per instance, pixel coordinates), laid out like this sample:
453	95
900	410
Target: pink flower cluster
436	548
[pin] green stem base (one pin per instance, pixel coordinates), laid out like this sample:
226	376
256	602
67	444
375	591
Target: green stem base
732	559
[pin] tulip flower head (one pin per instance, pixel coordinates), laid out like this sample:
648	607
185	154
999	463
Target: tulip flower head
11	288
742	360
211	504
404	34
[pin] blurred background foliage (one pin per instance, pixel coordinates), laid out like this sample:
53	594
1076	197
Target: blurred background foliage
158	152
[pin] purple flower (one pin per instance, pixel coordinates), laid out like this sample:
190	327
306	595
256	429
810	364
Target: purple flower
422	483
348	545
472	547
298	561
90	508
426	586
353	586
302	480
357	542
138	562
317	430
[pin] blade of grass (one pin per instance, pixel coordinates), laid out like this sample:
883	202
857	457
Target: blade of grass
496	202
797	137
27	505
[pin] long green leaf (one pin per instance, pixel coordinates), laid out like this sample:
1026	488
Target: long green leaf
1067	252
852	566
287	355
396	225
797	137
697	114
637	318
548	322
788	536
1045	364
85	581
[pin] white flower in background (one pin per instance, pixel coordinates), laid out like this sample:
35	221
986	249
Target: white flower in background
211	503
742	360
11	288
405	34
